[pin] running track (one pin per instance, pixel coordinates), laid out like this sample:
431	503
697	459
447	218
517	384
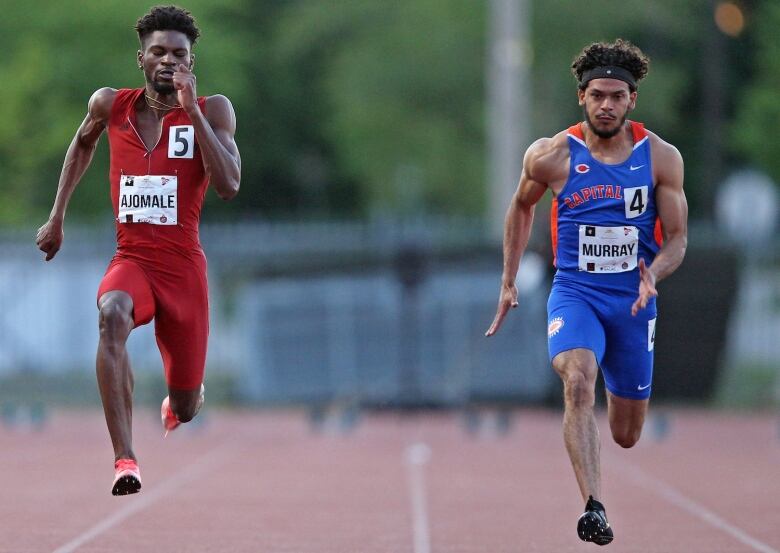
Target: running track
265	482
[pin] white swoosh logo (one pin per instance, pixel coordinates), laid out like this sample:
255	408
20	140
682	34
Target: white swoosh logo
640	388
635	168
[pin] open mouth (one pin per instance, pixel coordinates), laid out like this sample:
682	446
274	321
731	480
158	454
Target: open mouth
165	74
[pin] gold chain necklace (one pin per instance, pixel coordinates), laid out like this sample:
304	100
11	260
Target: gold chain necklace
165	107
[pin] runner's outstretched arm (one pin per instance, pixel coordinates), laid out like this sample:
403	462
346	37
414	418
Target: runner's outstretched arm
517	229
673	212
77	160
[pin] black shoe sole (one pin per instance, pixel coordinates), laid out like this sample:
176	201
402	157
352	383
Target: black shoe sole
594	528
126	485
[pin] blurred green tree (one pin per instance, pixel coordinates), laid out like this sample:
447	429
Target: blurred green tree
400	90
757	115
339	110
353	107
670	32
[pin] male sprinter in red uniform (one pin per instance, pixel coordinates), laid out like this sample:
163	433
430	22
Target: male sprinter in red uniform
618	194
167	145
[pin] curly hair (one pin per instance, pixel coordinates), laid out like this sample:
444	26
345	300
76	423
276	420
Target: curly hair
168	18
620	53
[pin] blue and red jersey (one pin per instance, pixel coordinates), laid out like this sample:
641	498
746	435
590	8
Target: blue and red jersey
604	219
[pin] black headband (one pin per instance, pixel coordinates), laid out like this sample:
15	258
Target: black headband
608	72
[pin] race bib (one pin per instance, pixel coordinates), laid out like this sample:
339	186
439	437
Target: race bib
148	199
608	249
181	142
651	335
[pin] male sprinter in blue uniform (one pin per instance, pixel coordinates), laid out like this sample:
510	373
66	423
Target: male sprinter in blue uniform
619	225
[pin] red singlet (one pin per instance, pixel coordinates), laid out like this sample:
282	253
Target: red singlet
157	197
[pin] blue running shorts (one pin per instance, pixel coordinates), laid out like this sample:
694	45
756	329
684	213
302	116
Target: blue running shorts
582	314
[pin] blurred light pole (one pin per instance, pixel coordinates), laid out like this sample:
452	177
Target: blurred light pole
714	51
508	103
411	271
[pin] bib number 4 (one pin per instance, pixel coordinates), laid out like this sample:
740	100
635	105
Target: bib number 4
181	142
636	201
651	335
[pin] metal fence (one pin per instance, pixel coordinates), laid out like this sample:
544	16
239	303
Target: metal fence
372	312
370	339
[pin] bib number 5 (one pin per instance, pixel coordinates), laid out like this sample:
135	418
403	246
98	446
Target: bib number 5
181	142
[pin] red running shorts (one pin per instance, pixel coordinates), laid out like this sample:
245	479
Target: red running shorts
174	292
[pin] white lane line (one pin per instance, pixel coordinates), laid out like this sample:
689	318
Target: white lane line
685	503
145	498
416	457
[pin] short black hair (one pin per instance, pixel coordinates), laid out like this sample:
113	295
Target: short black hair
168	18
620	53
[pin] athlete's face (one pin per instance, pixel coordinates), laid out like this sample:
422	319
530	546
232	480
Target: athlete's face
606	103
161	54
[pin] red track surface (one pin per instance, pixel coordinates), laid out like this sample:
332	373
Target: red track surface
267	483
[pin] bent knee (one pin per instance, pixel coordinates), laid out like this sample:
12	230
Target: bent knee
116	318
185	415
571	363
626	439
185	411
579	389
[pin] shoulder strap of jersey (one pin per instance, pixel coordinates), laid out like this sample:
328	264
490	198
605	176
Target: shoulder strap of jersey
124	100
637	129
639	132
575	135
576	131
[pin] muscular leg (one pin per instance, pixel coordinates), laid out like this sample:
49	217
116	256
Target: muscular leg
578	369
182	329
115	379
184	403
626	417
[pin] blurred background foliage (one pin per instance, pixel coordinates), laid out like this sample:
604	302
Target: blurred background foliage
757	115
354	108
